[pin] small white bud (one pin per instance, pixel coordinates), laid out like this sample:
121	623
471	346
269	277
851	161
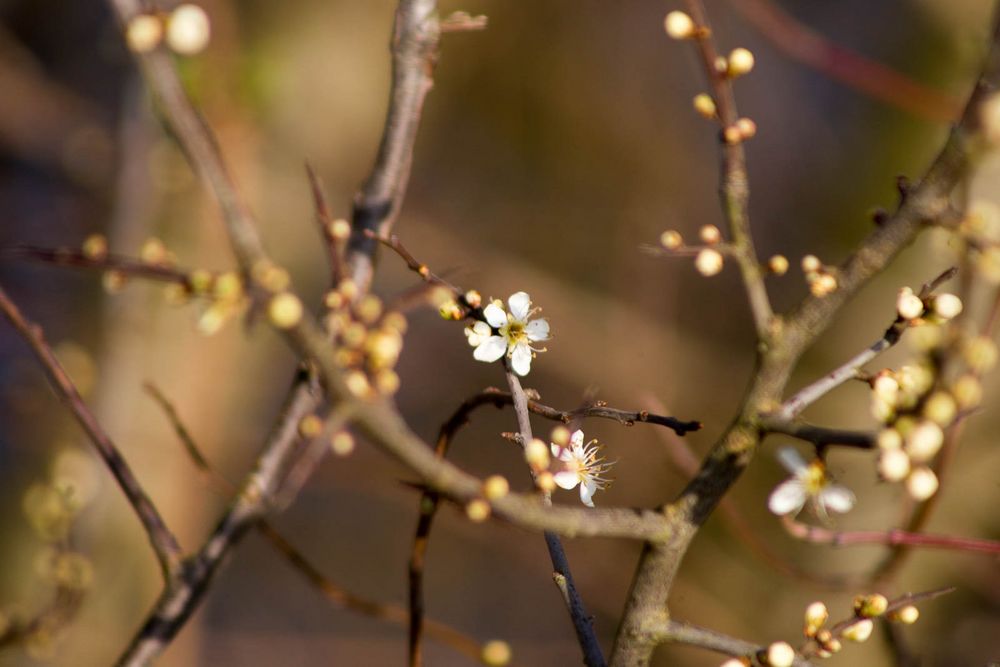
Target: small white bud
860	631
780	654
908	305
922	484
893	465
188	29
741	61
708	262
946	306
679	25
924	441
710	234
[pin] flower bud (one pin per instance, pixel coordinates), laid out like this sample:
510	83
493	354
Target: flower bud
342	443
284	310
908	305
816	616
679	25
907	615
95	247
941	408
560	436
778	265
496	486
671	240
893	465
946	306
310	426
340	229
708	262
705	105
477	510
496	653
922	484
741	61
924	441
746	127
536	453
860	631
870	606
780	654
889	438
710	234
143	33
188	29
811	264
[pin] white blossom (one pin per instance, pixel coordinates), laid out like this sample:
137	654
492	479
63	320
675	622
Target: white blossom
582	465
809	483
509	332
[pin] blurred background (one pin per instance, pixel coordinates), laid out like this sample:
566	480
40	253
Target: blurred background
554	144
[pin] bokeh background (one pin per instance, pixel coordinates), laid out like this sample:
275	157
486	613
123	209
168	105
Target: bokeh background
554	144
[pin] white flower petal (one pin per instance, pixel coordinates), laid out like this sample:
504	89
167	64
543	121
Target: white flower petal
787	497
587	491
792	460
836	498
520	305
495	315
490	349
566	479
576	439
482	328
520	359
537	330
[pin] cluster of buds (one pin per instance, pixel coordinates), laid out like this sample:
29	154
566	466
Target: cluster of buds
980	231
186	30
52	507
367	337
457	307
917	404
822	279
709	257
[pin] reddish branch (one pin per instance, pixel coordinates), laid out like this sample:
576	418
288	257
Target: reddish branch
800	42
892	538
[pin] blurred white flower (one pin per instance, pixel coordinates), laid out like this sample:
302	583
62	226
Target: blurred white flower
515	333
809	483
582	466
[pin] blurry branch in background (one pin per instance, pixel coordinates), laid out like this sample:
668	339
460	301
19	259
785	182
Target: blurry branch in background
165	546
332	591
800	42
83	258
893	537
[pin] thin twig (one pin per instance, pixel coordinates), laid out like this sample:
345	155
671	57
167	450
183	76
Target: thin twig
734	187
77	259
332	591
334	246
582	622
820	436
894	537
693	635
165	545
393	243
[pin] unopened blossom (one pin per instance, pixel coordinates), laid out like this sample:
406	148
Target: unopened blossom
582	465
809	483
508	332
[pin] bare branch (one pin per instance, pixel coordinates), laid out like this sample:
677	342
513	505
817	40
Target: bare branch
892	538
165	545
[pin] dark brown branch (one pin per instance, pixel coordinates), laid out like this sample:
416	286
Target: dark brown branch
376	206
820	436
77	259
892	538
334	247
165	546
393	243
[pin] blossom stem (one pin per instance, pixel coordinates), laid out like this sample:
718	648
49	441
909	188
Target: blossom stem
592	654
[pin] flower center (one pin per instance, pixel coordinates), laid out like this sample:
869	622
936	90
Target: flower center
513	331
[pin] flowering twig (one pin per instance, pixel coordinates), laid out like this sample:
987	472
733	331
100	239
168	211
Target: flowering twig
734	189
582	622
332	591
800	42
894	537
777	356
414	54
165	545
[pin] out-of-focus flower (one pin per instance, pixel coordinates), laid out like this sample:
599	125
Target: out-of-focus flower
809	483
